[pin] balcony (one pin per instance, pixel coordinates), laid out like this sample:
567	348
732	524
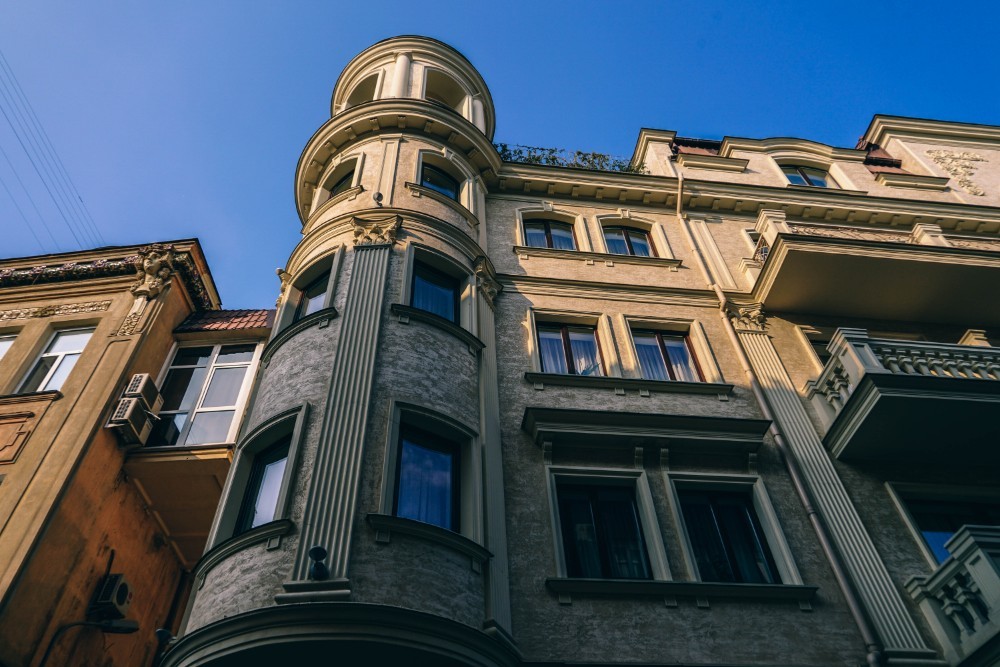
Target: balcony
860	271
888	400
961	599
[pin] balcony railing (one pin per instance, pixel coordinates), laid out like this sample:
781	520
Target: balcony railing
854	355
961	599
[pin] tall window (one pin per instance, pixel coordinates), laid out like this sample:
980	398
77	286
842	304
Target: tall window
342	184
427	479
313	296
601	532
435	292
549	234
260	501
5	343
201	392
818	178
666	357
569	349
939	520
55	364
625	241
439	180
726	537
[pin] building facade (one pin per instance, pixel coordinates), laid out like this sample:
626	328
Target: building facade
732	405
99	526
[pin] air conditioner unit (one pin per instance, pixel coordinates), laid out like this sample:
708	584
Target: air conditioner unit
130	421
111	599
141	386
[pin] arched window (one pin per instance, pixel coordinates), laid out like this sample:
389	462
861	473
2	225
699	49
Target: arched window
628	241
545	233
443	90
439	180
312	297
363	92
803	175
260	498
342	184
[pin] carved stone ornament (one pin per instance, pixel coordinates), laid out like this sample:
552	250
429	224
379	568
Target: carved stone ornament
376	231
486	279
49	311
960	166
747	318
154	270
286	278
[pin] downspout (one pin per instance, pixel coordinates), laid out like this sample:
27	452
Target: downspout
687	231
875	657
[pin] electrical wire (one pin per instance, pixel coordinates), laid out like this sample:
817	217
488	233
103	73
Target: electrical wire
41	218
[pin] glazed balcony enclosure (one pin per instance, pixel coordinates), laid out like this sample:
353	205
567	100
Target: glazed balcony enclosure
961	599
888	400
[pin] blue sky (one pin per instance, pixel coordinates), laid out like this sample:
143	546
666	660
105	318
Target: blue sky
187	118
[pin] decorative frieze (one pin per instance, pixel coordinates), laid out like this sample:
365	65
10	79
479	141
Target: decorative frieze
842	232
961	167
49	311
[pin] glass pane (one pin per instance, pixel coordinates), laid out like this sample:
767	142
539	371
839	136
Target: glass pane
640	244
615	240
435	179
534	235
61	372
224	387
681	362
38	374
550	349
650	358
167	430
431	293
818	177
621	534
562	236
425	479
182	387
586	358
579	534
705	537
231	354
343	184
750	560
793	176
210	427
267	494
69	341
939	520
5	344
192	356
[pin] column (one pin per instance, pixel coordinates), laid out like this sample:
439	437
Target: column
401	76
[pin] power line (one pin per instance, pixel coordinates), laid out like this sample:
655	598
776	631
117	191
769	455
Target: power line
41	218
23	217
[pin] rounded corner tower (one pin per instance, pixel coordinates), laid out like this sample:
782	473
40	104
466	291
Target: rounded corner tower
364	513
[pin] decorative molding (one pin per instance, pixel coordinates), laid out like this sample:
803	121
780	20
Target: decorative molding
713	162
486	279
155	270
285	278
386	524
912	181
49	311
422	191
642	385
608	259
406	313
854	233
748	318
375	231
262	533
701	590
992	245
960	166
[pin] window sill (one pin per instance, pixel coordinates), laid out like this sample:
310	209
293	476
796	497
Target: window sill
407	313
346	195
321	317
386	524
912	181
621	385
28	397
268	532
421	191
590	258
815	188
702	591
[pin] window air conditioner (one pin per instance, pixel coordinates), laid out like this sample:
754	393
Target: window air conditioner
141	386
111	599
130	421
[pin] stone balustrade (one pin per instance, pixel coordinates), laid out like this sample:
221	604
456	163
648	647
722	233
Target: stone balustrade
961	599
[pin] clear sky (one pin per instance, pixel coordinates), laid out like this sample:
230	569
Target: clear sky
187	118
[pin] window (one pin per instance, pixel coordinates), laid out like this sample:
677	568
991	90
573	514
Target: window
601	532
569	349
428	479
726	537
313	296
342	184
939	520
5	343
201	392
664	356
439	181
549	234
260	501
819	178
55	364
625	241
435	292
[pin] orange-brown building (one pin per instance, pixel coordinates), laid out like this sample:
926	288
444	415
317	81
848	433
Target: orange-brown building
80	500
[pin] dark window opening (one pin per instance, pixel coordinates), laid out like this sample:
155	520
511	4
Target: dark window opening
601	532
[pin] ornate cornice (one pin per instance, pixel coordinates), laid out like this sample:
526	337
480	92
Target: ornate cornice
49	311
486	278
747	318
372	231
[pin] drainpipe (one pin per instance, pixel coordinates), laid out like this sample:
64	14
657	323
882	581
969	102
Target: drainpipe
699	260
875	657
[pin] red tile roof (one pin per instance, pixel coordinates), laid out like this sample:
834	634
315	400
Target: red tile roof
226	320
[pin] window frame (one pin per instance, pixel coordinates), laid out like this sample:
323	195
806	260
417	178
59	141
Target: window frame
547	223
6	337
322	280
626	232
242	397
416	253
436	443
564	329
244	519
697	340
800	171
636	479
428	273
664	355
424	166
752	486
61	356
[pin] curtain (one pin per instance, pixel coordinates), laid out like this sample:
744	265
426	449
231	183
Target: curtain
650	357
425	485
586	358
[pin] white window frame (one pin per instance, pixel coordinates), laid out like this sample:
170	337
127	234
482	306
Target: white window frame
601	322
241	399
8	338
578	223
753	486
653	537
691	329
444	160
61	356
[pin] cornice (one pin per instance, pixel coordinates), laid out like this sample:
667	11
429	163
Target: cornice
609	259
561	287
790	145
648	136
712	162
883	128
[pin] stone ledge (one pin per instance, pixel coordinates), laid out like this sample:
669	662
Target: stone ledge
620	385
263	533
590	257
407	313
386	524
421	191
321	317
702	591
